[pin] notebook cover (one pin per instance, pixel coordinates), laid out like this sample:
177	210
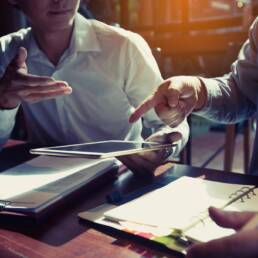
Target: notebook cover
94	217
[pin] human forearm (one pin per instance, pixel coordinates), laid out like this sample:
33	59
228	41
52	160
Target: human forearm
234	97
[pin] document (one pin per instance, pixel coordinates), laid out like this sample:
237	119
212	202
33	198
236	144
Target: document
181	208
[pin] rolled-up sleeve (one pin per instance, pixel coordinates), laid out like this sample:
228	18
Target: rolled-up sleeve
7	117
233	97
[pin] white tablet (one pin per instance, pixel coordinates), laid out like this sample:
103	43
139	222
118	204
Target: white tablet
101	150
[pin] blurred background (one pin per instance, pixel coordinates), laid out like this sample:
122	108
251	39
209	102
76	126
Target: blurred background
187	37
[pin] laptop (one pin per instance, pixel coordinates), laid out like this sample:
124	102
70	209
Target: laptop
34	187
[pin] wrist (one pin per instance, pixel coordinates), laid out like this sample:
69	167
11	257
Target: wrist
7	108
202	97
4	105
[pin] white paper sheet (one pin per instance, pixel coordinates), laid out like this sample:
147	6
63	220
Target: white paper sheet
180	204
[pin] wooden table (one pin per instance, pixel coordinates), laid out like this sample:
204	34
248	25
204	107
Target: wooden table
61	235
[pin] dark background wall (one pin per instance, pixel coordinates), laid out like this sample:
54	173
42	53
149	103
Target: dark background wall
11	19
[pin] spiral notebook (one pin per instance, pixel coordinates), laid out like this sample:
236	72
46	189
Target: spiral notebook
180	209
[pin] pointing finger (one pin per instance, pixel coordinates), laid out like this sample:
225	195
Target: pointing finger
151	102
143	108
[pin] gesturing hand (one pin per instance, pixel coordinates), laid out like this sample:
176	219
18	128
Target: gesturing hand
17	85
174	100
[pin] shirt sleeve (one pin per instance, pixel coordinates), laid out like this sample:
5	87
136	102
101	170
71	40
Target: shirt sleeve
234	97
7	117
143	78
7	121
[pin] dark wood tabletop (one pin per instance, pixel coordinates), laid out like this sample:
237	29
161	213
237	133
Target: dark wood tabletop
61	234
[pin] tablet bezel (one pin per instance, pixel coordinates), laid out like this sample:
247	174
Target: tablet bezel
98	155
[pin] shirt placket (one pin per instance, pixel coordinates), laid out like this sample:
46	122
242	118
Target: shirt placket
61	101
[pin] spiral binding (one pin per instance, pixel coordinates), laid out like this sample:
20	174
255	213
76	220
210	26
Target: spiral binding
241	192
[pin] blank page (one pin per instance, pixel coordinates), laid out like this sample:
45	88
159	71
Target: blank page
176	205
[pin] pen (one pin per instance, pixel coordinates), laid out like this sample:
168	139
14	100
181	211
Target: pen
252	224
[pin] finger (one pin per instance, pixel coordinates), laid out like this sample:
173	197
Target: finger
154	158
58	85
158	97
160	156
163	137
173	96
170	117
137	165
25	91
21	58
143	108
165	112
33	98
174	137
32	80
235	220
159	137
239	245
143	163
177	121
129	164
181	115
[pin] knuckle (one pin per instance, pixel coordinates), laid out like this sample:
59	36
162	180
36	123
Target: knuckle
21	77
29	98
15	76
165	85
23	92
173	91
12	83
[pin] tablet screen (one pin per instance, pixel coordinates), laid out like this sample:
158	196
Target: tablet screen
101	149
106	147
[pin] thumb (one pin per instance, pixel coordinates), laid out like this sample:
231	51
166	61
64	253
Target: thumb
229	219
239	245
20	58
174	137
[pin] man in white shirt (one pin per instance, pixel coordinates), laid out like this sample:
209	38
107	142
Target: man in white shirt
108	70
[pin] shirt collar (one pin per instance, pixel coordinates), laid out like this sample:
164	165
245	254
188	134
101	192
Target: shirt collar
84	38
33	49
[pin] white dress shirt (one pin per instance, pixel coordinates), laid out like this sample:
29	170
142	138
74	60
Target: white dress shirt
110	70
